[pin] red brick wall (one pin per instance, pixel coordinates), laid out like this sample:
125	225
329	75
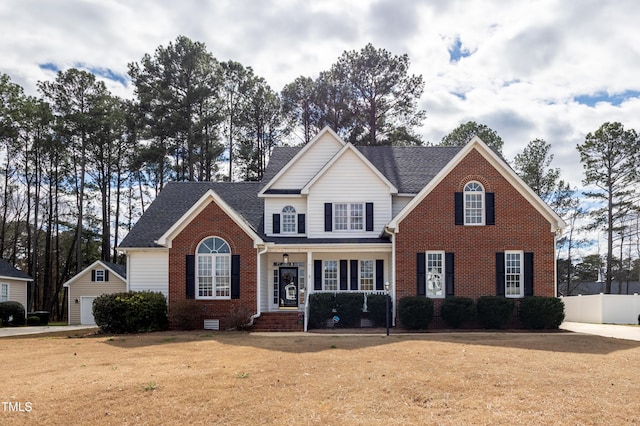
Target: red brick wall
213	221
430	226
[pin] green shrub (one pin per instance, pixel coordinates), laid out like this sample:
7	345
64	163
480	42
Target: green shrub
187	314
131	312
494	311
541	312
321	307
12	313
455	311
376	305
33	320
349	308
415	312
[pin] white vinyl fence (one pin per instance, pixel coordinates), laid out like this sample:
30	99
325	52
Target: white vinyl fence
602	308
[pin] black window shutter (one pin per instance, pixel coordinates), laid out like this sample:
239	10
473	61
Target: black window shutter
449	274
302	226
500	283
379	274
93	275
317	274
421	266
328	217
106	275
191	276
490	208
528	274
343	275
276	223
235	276
354	274
369	217
459	208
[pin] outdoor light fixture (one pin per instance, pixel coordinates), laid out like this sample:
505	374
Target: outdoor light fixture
285	258
77	301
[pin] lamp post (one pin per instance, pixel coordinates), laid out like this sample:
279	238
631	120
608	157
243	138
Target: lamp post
386	289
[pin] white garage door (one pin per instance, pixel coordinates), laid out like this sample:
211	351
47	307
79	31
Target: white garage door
86	310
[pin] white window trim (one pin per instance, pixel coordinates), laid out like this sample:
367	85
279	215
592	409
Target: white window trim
99	275
324	275
295	220
2	287
349	217
213	270
443	274
373	274
521	279
482	200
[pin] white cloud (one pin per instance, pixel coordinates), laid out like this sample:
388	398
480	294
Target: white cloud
528	60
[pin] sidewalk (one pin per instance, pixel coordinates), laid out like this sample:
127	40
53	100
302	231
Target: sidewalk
21	331
626	332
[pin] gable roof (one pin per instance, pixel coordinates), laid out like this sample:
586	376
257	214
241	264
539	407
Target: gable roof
177	198
119	270
501	166
349	148
9	271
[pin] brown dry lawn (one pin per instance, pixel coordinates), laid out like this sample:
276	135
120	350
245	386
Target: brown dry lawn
251	379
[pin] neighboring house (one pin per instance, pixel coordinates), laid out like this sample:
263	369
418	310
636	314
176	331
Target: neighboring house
332	217
97	279
14	284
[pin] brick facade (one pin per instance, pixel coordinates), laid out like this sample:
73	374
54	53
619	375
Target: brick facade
518	226
213	221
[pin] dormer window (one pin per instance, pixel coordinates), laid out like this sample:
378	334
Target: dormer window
99	274
289	225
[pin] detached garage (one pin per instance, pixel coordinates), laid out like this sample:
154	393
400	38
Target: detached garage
98	279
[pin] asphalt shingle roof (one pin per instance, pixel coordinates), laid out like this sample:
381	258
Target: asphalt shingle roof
8	270
409	169
117	268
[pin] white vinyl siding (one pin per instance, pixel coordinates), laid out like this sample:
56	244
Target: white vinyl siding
16	291
274	205
347	180
298	174
148	270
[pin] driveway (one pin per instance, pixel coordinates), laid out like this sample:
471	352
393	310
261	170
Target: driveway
627	332
20	331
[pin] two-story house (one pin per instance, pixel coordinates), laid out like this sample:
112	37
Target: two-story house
330	216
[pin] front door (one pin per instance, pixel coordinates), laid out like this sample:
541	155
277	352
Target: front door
288	287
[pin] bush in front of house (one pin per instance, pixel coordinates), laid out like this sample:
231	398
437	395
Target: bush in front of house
494	311
187	314
131	312
349	309
376	305
238	318
12	313
33	320
320	309
415	312
541	312
455	311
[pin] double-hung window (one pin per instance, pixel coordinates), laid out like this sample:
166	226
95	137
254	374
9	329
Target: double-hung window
473	204
100	275
289	225
331	275
213	269
366	275
435	274
349	217
514	271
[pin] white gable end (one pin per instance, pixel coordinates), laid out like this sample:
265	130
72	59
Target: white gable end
348	180
304	168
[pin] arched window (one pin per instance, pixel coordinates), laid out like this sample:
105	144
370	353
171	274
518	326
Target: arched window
213	269
289	225
473	203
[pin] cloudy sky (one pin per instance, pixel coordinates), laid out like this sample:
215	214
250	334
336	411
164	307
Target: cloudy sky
550	69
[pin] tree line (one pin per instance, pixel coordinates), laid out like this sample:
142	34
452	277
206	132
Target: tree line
80	165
